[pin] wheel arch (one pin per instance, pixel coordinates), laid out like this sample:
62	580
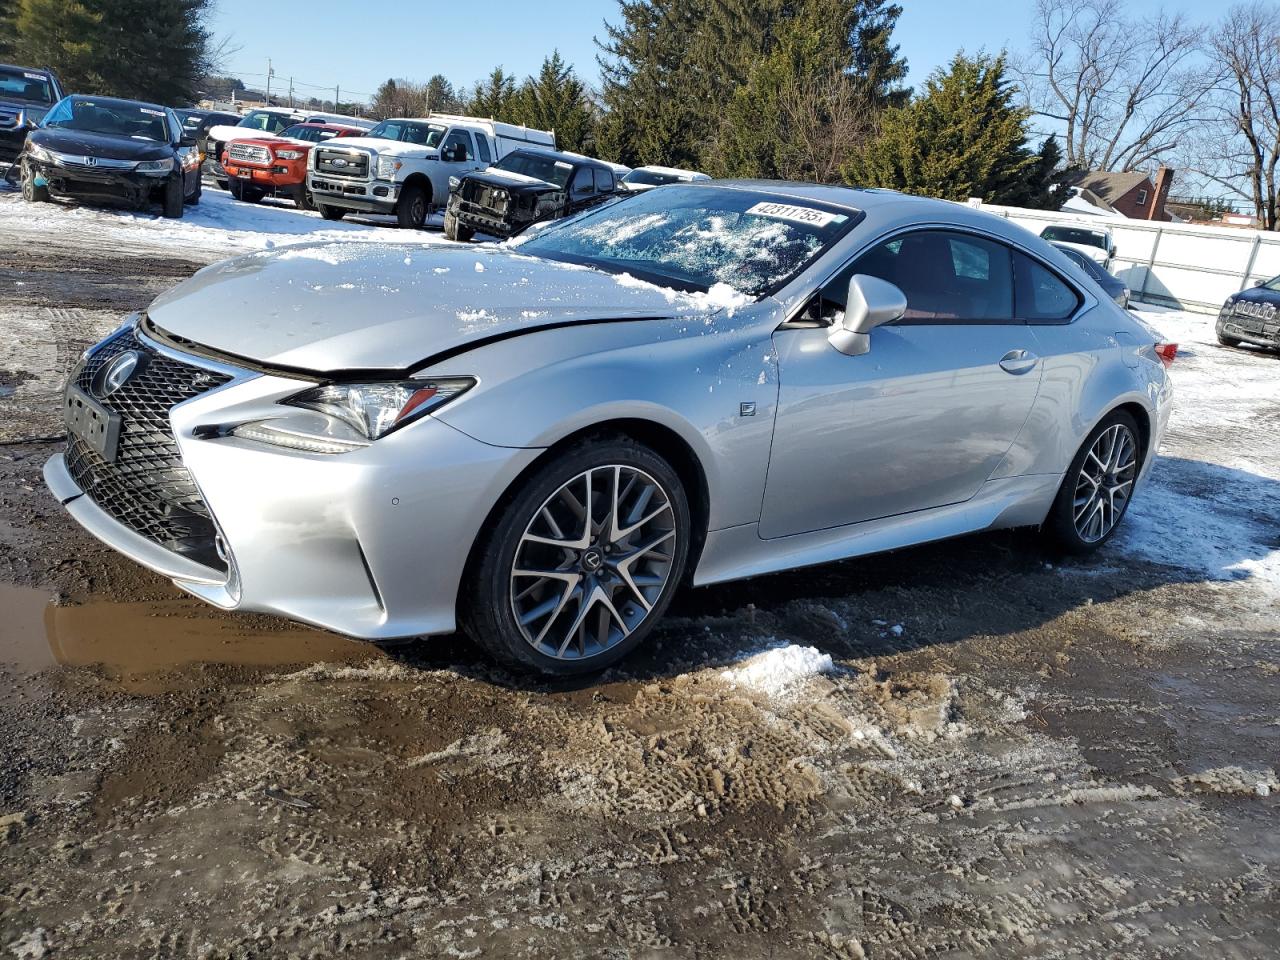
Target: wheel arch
658	437
419	179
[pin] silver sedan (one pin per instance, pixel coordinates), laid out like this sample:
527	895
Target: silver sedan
540	441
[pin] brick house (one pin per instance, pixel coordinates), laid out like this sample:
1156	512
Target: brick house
1133	195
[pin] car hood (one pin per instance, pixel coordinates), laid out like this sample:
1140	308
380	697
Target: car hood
389	148
328	308
511	181
102	145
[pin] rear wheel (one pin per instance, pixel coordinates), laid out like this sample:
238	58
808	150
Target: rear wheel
31	192
194	199
582	560
331	213
411	211
174	197
1098	486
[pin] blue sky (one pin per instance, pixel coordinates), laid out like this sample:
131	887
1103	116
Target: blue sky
321	42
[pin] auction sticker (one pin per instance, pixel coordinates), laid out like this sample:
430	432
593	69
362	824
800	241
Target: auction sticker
33	76
787	211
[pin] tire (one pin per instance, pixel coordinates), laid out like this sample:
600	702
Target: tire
30	192
174	198
331	213
194	199
1086	514
222	184
455	231
1228	341
242	191
303	200
411	211
603	582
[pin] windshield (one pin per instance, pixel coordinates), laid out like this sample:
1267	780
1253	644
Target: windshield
1087	238
540	168
425	134
25	85
262	120
649	178
310	134
111	117
695	237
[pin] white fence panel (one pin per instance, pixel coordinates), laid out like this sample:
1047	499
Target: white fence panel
1176	265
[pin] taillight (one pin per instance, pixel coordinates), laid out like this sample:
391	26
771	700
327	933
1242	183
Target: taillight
1167	352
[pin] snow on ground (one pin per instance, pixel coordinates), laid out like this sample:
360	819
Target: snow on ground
777	670
218	223
1206	507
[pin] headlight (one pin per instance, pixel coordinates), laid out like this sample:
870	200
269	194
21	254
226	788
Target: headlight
288	154
454	183
154	166
387	167
36	152
340	417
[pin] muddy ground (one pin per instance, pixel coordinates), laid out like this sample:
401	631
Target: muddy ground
1017	755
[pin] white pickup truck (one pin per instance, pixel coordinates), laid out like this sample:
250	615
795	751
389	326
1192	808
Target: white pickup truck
402	166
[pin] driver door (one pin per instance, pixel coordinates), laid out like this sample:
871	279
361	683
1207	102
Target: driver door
921	420
459	147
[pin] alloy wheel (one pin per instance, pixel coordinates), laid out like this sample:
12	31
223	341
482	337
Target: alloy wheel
1105	483
593	562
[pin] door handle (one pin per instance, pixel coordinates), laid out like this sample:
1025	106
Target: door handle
1018	361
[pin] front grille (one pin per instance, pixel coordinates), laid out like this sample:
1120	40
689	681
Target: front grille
147	487
8	119
248	153
334	162
493	199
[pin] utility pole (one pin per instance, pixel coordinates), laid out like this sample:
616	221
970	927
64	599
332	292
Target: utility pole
336	90
291	91
269	72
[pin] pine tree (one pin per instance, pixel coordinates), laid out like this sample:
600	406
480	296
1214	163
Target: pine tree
146	49
963	137
557	100
495	97
440	96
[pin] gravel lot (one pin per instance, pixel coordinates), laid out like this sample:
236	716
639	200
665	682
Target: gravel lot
969	749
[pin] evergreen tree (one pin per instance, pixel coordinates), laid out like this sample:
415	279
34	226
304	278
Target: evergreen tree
146	49
8	28
495	97
962	138
557	100
440	96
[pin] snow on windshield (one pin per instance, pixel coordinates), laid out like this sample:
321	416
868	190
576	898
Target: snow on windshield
697	236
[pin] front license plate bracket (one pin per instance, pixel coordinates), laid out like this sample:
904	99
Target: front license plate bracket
93	423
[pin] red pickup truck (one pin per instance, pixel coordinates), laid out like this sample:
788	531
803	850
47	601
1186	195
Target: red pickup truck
276	164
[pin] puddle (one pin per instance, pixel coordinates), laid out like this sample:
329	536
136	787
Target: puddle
139	638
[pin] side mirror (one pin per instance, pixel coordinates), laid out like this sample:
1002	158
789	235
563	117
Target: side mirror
871	302
188	142
451	153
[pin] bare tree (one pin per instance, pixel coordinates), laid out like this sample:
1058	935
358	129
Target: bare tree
1126	89
1239	147
826	118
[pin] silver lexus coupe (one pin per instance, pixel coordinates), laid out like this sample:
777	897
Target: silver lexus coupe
540	441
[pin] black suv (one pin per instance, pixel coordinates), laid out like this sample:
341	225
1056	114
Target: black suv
1252	316
26	94
524	187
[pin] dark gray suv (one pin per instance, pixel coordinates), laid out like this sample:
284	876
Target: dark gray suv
26	94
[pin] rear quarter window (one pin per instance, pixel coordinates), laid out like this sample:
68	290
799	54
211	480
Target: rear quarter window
1041	296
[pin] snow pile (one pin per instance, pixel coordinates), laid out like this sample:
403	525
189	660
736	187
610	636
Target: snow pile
778	669
720	296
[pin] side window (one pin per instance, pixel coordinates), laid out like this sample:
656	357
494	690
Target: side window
482	143
175	126
582	182
455	139
604	180
1042	297
946	277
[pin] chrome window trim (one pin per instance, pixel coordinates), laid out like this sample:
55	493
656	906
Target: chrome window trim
1087	300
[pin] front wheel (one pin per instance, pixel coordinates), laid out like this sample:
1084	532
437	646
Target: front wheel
456	231
1098	486
31	191
303	200
174	201
411	211
581	561
1228	341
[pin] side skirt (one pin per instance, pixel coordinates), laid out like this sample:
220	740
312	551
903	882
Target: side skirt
738	552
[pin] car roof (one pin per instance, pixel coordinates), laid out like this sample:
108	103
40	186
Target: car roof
577	159
120	101
14	66
853	198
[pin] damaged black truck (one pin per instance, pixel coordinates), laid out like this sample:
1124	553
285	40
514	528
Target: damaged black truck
26	94
525	187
